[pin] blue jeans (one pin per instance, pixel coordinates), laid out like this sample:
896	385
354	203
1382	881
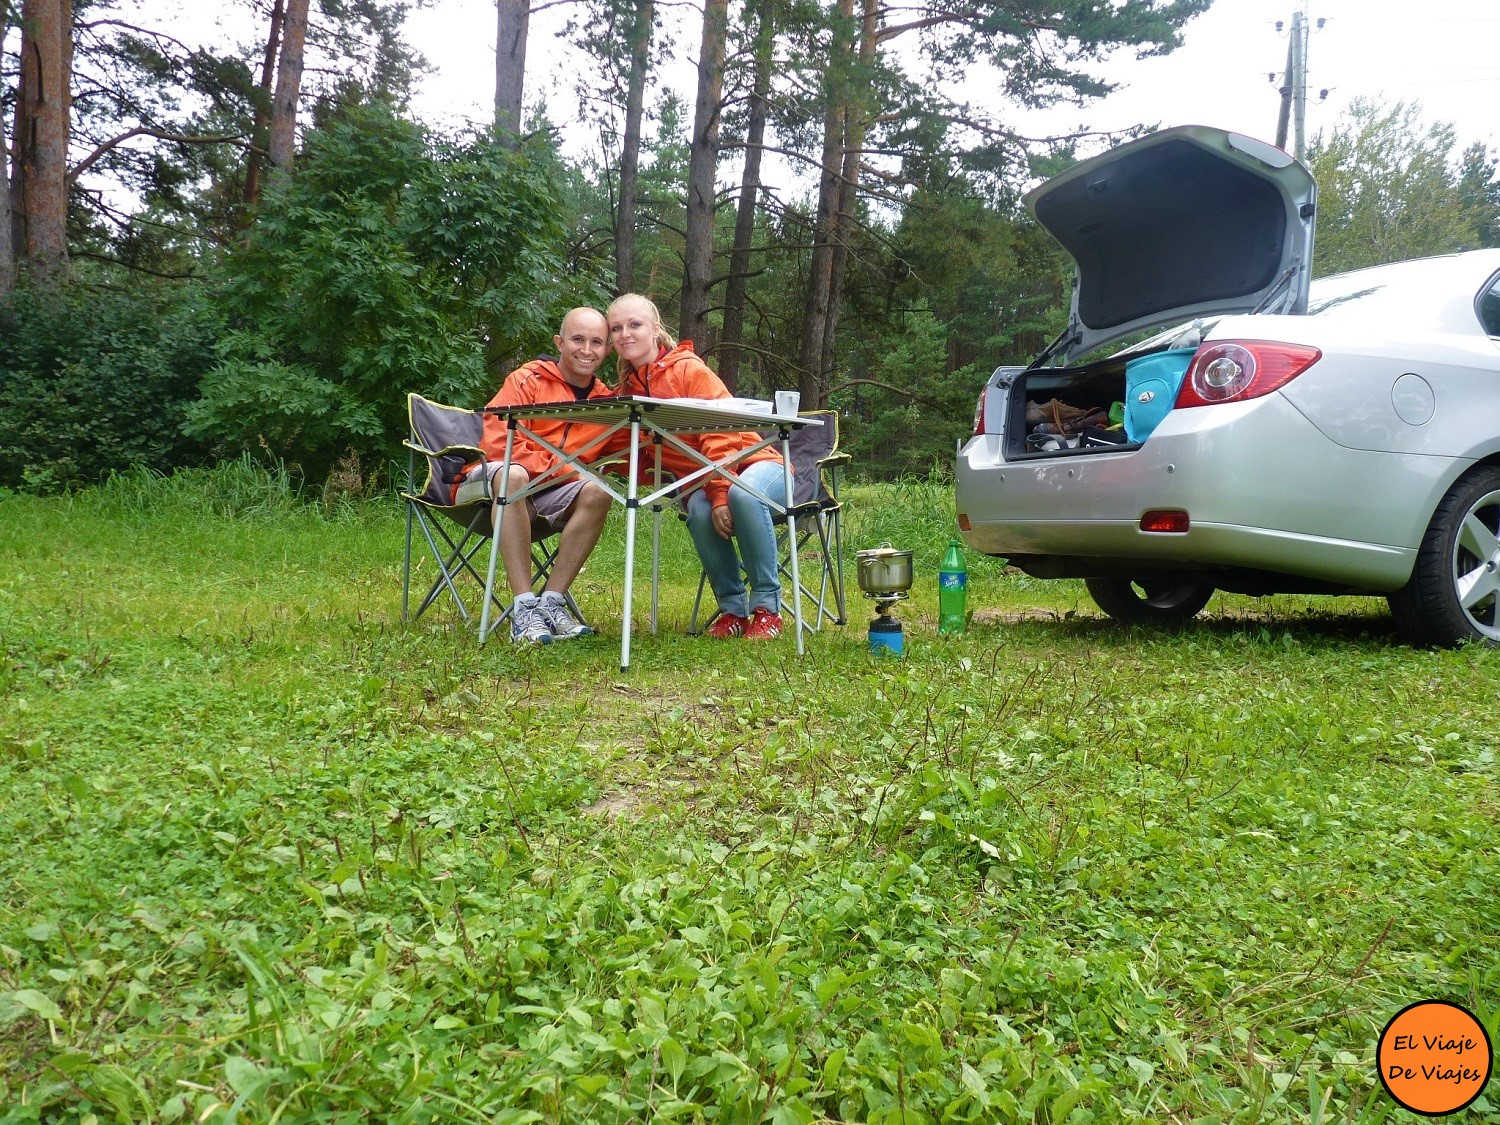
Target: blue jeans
757	543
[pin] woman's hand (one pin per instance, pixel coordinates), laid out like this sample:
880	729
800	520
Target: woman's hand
723	521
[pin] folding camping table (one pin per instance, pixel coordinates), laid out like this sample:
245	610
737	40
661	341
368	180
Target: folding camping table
664	420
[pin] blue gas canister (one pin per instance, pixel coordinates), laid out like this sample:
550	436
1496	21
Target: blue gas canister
886	636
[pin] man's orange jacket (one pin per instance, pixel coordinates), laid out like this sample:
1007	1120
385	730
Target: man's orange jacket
541	380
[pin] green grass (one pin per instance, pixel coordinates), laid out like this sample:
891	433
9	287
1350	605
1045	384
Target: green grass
268	854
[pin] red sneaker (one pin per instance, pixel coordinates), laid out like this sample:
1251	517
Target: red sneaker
764	626
727	625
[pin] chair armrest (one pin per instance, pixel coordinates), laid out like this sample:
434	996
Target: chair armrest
839	458
611	463
473	452
619	465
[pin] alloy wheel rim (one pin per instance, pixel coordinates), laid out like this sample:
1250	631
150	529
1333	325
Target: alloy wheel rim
1168	594
1476	565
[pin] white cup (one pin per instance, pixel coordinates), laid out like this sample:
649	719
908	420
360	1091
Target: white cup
787	402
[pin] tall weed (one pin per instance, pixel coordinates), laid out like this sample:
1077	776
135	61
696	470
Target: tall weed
241	488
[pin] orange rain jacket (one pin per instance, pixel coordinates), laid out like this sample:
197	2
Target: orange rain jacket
540	380
679	373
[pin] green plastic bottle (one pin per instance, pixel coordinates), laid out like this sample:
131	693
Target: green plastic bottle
953	589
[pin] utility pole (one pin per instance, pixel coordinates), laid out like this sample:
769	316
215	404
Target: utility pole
1299	84
1294	85
1284	115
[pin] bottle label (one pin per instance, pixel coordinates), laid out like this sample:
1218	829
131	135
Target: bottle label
949	580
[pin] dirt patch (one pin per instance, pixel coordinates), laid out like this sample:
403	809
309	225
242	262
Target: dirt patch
1015	616
615	805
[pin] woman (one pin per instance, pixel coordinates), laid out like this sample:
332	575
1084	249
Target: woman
652	363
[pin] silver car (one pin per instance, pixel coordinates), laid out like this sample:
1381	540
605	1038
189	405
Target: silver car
1340	436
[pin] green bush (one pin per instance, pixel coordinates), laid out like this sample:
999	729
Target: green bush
95	380
391	262
908	422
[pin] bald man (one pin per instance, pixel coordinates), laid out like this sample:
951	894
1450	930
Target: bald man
573	506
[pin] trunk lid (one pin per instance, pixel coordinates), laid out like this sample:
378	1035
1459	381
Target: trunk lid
1187	222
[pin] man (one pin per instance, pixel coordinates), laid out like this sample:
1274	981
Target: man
575	507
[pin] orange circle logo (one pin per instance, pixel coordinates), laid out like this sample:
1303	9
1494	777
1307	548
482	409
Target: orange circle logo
1434	1057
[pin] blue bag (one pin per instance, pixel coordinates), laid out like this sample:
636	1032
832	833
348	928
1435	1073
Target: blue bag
1151	386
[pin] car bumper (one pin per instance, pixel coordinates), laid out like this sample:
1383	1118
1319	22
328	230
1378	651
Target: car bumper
1264	489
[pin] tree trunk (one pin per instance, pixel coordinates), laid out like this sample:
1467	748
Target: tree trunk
512	19
820	274
42	120
856	127
20	129
260	130
7	253
630	153
730	350
703	165
288	86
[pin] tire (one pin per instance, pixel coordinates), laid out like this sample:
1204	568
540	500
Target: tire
1453	594
1169	599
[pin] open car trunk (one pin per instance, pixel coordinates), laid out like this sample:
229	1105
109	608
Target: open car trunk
1186	224
1063	411
1106	406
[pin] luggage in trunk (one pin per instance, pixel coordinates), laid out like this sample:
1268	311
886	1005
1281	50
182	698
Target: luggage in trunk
1102	407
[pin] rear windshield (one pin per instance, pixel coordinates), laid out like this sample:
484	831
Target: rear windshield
1335	294
1414	292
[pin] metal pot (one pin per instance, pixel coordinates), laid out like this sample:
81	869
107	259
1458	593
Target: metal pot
884	571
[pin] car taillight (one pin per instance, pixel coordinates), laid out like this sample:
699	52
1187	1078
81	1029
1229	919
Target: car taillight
979	411
1234	370
1167	521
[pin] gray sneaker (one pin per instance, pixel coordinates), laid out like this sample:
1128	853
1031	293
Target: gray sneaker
559	618
527	625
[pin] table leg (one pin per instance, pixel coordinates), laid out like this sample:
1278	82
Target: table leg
489	582
656	540
791	534
631	504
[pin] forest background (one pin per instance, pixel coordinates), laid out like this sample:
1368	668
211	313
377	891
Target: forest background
258	246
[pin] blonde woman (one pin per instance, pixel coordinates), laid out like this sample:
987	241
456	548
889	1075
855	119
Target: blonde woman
718	514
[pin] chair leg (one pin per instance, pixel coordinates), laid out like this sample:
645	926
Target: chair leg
831	580
837	518
693	627
406	570
655	561
832	575
444	579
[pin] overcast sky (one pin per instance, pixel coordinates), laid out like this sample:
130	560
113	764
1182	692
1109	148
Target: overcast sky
1445	55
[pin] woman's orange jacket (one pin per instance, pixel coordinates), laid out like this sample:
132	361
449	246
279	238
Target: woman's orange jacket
679	373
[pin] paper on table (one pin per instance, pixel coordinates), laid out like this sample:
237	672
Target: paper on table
754	405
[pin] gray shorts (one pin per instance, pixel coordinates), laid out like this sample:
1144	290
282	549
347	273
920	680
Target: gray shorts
551	506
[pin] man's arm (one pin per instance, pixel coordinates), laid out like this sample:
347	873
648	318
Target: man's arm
519	389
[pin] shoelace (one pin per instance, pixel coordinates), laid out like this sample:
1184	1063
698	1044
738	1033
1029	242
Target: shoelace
558	617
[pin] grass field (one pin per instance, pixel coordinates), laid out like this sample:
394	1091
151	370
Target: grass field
266	854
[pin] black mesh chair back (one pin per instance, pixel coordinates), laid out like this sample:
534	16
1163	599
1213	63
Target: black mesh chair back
811	447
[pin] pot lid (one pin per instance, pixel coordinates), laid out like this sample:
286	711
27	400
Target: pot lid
879	553
1186	222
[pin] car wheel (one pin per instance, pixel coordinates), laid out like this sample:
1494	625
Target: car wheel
1163	600
1454	591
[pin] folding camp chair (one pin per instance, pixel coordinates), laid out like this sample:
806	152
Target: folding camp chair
816	465
446	439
